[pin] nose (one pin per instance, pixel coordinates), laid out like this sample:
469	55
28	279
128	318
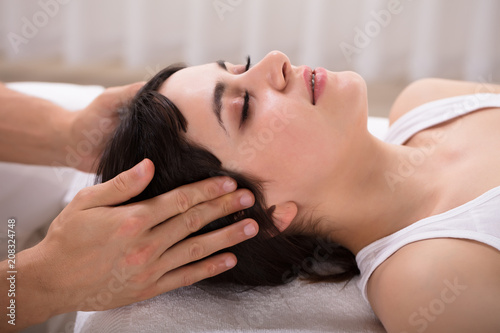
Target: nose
274	68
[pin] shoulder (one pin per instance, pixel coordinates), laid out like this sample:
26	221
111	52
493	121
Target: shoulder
438	285
431	89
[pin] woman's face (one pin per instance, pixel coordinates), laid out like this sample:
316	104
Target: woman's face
266	123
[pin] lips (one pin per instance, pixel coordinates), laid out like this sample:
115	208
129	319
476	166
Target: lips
315	82
312	84
320	78
308	78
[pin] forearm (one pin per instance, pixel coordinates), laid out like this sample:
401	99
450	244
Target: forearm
25	301
33	130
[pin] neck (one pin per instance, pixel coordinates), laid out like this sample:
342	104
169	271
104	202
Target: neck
387	188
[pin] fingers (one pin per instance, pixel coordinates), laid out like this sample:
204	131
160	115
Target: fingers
199	247
189	274
182	225
126	185
107	103
183	198
116	97
126	93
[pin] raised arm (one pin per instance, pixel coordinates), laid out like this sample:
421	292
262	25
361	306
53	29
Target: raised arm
36	131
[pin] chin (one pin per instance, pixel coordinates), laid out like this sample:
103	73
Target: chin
348	102
347	90
351	83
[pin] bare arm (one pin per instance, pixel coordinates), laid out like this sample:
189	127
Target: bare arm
439	285
36	131
431	89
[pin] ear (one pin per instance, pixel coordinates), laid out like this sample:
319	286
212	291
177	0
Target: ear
283	215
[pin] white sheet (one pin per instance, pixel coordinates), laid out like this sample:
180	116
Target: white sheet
296	307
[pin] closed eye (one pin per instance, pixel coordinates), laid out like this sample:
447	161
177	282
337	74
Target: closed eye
244	110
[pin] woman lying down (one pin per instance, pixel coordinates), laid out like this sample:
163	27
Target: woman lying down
418	216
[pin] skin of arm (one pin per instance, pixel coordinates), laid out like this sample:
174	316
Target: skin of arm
438	285
431	89
36	131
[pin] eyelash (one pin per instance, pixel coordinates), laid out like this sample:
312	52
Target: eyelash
245	109
247	67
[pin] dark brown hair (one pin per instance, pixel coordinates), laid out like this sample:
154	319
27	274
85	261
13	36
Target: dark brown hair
152	127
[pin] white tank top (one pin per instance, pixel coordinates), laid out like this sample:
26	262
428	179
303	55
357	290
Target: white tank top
478	219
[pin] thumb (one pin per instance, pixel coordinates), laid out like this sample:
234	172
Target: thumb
124	186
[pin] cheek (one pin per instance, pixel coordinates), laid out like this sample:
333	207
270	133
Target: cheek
263	143
288	155
348	103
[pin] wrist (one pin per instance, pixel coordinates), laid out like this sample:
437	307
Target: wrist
65	140
38	295
84	141
26	303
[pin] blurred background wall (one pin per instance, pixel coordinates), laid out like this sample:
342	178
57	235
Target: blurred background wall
389	42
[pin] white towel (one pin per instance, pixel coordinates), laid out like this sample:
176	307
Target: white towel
296	307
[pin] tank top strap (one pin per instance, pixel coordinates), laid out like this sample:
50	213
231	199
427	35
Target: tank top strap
436	112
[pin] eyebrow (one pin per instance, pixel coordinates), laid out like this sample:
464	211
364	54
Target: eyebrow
219	89
222	64
217	102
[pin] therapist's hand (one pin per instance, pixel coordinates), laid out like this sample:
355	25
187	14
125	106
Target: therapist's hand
91	127
99	256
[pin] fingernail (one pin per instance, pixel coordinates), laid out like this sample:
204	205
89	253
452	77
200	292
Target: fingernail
140	169
229	186
249	230
230	262
246	200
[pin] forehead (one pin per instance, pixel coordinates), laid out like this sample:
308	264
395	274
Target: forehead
191	82
191	90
